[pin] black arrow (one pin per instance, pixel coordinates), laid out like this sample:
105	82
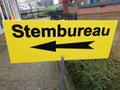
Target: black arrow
51	46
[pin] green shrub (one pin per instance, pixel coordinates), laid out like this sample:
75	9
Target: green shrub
28	17
51	8
41	15
95	74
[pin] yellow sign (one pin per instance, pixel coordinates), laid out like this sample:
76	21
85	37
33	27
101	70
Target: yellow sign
41	41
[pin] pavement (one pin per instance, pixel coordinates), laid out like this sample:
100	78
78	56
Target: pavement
30	76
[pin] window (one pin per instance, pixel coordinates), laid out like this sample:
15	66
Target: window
92	1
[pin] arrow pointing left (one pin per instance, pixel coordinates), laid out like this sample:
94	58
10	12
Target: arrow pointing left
51	46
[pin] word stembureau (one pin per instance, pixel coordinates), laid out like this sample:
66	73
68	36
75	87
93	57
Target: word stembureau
19	31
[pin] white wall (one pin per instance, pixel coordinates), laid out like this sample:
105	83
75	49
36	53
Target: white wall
1	18
1	31
15	9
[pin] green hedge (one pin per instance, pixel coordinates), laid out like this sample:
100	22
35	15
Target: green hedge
41	15
28	17
51	8
95	74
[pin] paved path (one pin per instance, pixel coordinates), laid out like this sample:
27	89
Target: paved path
32	76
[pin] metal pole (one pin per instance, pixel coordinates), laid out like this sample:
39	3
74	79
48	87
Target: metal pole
9	7
31	9
75	15
1	12
12	9
5	9
62	73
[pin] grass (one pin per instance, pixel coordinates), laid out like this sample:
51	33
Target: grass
95	74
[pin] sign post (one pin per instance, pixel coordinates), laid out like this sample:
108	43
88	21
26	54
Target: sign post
62	72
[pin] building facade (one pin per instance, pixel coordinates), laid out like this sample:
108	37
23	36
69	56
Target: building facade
8	11
47	3
90	6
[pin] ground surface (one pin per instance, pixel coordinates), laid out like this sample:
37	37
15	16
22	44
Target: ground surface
31	76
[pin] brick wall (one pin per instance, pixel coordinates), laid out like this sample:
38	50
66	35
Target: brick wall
94	10
64	5
110	8
104	0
